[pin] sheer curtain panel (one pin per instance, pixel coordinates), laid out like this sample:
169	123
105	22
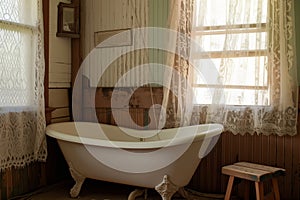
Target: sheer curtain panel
240	58
178	96
22	119
251	44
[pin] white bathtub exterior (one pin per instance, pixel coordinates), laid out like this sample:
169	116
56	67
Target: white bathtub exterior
79	150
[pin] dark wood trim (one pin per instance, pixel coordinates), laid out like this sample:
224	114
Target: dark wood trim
48	113
75	75
46	8
46	17
261	26
76	60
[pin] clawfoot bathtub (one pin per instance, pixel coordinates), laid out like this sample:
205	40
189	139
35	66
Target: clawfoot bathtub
165	160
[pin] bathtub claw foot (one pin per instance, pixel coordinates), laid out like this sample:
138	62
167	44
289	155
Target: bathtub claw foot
166	189
79	179
136	193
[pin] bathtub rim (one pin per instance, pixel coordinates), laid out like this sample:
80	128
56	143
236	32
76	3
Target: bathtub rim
217	130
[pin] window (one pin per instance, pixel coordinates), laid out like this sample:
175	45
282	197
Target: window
22	66
233	41
18	35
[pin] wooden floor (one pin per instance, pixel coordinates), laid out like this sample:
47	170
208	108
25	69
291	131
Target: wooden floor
92	190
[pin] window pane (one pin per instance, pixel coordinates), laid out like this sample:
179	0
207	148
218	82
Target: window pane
220	12
241	41
16	71
231	52
231	96
244	71
19	11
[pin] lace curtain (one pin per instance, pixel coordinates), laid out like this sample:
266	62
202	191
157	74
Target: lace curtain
22	119
250	45
178	98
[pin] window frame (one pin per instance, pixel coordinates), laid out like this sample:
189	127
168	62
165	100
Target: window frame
21	28
234	29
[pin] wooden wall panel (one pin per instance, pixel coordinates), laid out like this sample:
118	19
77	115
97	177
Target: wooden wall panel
288	164
14	182
296	171
59	73
59	99
139	105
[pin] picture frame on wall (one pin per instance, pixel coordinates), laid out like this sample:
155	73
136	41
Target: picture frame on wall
68	20
123	38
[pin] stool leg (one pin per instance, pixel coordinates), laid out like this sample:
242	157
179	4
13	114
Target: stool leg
259	188
229	188
275	188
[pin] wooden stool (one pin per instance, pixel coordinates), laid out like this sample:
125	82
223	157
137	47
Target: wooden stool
253	172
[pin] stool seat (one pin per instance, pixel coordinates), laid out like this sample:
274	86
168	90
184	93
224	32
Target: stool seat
256	173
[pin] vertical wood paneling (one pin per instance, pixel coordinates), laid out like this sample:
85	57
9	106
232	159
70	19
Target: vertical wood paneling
218	185
296	167
235	156
234	147
225	143
223	161
265	149
265	156
242	142
280	157
1	187
14	182
111	15
288	164
104	15
202	168
18	186
273	150
9	182
257	148
213	183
